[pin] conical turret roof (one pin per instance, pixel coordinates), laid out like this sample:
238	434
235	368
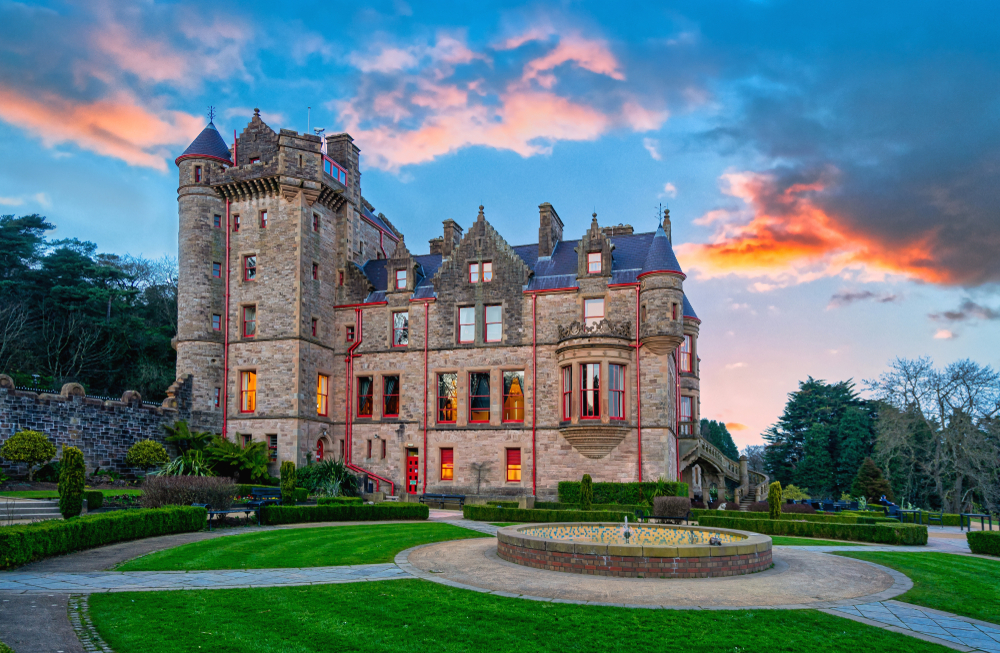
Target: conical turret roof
660	257
689	313
209	144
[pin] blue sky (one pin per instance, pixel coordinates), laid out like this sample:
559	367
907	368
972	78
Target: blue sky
831	168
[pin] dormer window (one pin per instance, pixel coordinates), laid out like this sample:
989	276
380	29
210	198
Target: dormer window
400	279
594	263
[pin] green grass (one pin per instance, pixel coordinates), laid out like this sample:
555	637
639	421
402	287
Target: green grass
52	494
959	584
418	616
781	540
300	547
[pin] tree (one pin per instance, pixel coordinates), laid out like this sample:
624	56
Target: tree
815	470
586	492
718	435
855	444
755	457
72	474
774	500
870	483
794	493
30	447
288	483
146	454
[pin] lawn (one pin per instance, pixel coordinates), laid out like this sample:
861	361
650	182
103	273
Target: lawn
300	547
781	540
417	616
52	494
953	583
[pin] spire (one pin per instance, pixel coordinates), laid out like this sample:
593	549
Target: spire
209	144
666	224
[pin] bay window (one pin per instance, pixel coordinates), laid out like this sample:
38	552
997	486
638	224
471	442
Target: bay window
616	391
590	391
567	392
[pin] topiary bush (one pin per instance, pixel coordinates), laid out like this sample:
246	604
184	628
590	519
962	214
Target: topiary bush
288	483
72	476
146	454
797	508
586	492
215	491
774	500
31	447
984	542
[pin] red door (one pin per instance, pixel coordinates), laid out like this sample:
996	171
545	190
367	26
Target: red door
412	471
319	450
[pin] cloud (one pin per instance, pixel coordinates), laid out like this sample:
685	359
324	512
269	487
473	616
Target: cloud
669	190
588	54
736	426
845	297
653	147
968	310
735	366
11	201
944	334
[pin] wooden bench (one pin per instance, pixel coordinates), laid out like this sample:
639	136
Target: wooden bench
443	498
228	511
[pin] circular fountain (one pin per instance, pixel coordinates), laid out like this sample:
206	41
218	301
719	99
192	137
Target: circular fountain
638	551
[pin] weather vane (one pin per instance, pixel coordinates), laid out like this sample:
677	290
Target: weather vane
211	113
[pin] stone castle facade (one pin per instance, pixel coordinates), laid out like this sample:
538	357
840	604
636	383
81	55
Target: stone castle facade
479	368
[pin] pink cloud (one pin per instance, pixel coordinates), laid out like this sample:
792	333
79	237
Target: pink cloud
589	54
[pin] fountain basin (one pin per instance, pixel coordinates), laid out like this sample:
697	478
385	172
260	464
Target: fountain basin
653	551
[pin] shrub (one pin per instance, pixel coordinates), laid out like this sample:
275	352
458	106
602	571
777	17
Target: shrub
346	512
72	476
27	542
621	493
671	506
833	518
214	491
882	533
984	542
48	473
489	513
340	501
774	500
191	463
248	463
288	483
147	453
301	494
870	483
797	508
792	492
586	492
329	478
94	499
30	447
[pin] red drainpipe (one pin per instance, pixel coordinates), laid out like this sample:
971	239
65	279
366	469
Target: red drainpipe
349	422
638	381
225	345
534	391
427	308
677	421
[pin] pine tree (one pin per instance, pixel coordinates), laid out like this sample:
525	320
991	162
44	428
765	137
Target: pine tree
815	470
854	435
870	483
717	434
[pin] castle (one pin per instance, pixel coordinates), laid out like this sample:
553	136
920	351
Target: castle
305	322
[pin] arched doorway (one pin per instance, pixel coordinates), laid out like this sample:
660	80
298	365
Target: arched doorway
322	449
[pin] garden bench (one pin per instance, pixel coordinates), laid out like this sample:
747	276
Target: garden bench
443	498
228	511
264	496
967	517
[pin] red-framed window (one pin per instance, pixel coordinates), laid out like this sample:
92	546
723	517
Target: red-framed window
593	263
467	324
263	219
315	270
400	279
567	392
365	402
249	321
246	439
272	448
479	397
447	464
390	396
369	449
513	397
513	465
685	355
349	334
487	271
340	277
315	221
217	270
250	267
593	311
616	391
400	329
333	169
218	397
494	323
686	415
217	221
248	391
473	273
217	323
197	174
322	395
590	390
447	398
315	326
383	449
236	223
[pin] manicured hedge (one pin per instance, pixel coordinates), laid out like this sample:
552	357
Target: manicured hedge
23	543
489	513
826	518
349	512
884	533
984	542
94	499
558	505
340	501
243	490
620	493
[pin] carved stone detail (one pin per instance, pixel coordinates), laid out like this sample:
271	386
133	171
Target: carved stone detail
604	328
594	441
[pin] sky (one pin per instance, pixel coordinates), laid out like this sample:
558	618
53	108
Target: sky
831	168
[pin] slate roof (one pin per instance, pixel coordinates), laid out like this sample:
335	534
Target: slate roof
660	255
209	143
377	221
689	310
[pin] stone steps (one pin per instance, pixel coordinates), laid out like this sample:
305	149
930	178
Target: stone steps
29	509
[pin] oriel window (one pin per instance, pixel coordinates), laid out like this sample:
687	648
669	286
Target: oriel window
365	396
447	398
479	397
513	396
686	355
686	414
590	390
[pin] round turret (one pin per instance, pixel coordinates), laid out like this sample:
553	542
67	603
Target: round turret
661	307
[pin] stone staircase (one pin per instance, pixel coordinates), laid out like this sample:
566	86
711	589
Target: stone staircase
16	509
745	503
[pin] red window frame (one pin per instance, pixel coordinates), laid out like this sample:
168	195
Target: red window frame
616	391
464	313
497	321
248	391
250	267
473	273
366	400
316	271
448	464
197	174
236	223
687	414
349	334
477	387
567	393
590	320
272	448
447	404
513	465
315	323
594	263
263	219
594	394
400	332
315	221
250	321
217	221
340	277
218	397
686	355
487	271
390	397
216	322
400	279
217	270
512	409
255	159
322	395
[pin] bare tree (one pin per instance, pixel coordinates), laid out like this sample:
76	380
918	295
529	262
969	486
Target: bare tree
13	326
755	457
481	470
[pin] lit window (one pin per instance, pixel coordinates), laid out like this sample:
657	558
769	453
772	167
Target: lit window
250	268
248	392
473	273
217	270
447	464
272	448
513	465
249	321
349	334
479	397
322	395
218	397
685	355
400	329
217	323
685	416
567	392
390	396
400	279
255	159
593	311
494	324
467	324
365	396
513	396
369	449
447	398
217	221
594	263
590	390
197	174
315	324
616	391
487	272
315	221
236	223
263	219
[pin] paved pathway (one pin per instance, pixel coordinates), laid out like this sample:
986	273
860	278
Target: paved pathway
909	619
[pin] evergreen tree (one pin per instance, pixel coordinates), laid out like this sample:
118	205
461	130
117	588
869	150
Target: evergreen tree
870	483
717	433
815	470
854	435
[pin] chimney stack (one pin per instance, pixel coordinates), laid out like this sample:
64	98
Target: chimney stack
452	236
550	229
